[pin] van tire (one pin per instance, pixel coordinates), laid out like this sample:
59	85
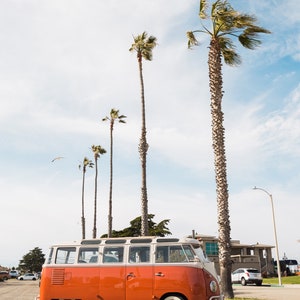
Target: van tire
243	281
174	297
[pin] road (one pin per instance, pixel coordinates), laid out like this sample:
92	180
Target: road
14	289
286	292
27	290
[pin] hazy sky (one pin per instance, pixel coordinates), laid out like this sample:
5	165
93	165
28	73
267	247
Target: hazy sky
65	63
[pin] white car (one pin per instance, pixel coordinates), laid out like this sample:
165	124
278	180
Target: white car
27	276
246	275
13	274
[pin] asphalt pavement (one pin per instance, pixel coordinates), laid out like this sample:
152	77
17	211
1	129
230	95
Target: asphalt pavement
269	292
14	289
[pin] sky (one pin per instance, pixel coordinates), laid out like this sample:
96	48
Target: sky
64	64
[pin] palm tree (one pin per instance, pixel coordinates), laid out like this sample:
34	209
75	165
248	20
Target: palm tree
114	115
97	150
86	163
226	23
143	46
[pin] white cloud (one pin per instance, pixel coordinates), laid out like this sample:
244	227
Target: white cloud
281	129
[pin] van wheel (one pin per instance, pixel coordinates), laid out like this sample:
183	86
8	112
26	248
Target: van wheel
243	281
174	298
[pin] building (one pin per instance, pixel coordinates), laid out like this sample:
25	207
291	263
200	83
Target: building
257	255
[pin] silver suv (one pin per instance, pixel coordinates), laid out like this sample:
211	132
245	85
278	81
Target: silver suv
246	275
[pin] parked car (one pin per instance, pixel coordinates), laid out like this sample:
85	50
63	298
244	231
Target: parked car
27	276
246	275
13	274
4	275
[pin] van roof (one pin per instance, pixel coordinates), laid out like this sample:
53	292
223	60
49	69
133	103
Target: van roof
132	240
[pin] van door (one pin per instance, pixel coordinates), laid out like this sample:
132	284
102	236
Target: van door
139	274
168	272
112	274
173	273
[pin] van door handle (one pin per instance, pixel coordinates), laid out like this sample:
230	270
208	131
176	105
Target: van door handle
130	275
160	274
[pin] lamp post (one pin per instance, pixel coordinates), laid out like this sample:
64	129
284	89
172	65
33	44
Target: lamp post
275	234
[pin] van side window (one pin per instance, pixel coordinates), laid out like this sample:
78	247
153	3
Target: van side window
189	252
139	254
65	255
172	254
162	254
88	255
177	254
50	256
113	254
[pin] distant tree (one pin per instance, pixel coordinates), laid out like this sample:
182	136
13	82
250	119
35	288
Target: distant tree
159	229
143	46
224	24
86	163
114	115
97	150
32	261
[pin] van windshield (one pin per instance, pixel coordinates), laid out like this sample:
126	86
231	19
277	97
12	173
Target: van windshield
200	254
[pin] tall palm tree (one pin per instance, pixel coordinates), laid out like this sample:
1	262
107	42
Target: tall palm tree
114	115
226	23
143	46
85	164
97	150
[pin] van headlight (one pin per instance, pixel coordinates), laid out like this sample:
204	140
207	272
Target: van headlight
213	286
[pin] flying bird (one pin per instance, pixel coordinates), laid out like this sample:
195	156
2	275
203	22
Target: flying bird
56	158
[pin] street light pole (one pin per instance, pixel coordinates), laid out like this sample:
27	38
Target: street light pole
275	234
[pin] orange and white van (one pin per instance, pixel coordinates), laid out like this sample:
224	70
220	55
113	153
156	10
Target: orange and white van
133	268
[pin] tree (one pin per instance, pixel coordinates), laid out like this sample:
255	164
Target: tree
86	163
159	229
114	115
226	23
32	261
97	150
143	46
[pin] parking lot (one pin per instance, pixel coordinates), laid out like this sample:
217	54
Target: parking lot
27	290
14	289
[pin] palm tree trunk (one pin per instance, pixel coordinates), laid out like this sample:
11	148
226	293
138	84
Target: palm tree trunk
82	205
143	148
218	139
95	201
110	184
